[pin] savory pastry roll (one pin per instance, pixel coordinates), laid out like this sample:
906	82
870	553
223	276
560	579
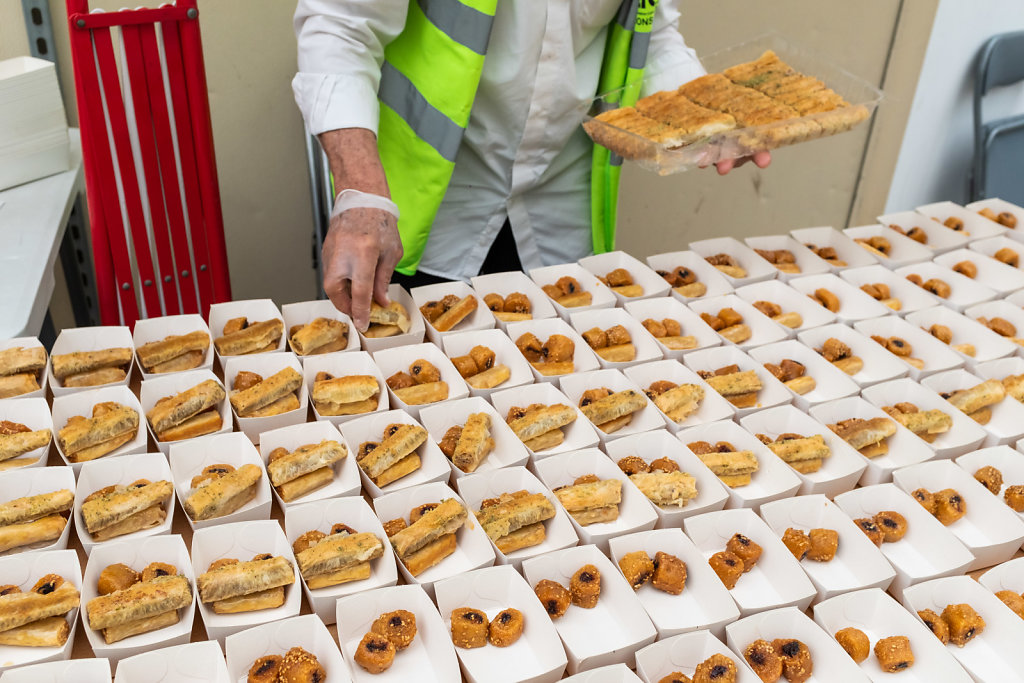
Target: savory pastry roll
244	337
17	385
48	632
865	435
735	384
37	506
542	420
513	512
667	489
16	439
927	424
52	596
126	508
387	321
143	600
734	468
980	396
671	108
400	440
347	395
248	401
421	394
221	495
474	443
239	579
322	335
174	410
447	518
22	360
304	460
613	407
67	365
37	532
157	356
592	501
679	402
804	454
111	426
337	552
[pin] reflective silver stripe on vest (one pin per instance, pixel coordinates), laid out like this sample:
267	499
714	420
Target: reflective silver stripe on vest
463	24
626	16
428	122
614	160
638	49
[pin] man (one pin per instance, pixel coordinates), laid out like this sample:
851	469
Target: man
480	135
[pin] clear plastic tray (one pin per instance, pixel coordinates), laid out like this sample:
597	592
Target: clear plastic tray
741	142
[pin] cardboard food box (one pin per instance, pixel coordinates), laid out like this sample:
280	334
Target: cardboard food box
974	341
479	319
672	309
757	269
343	365
683	653
399	359
715	283
805	260
763	330
976	226
512	282
854	304
75	339
266	365
254	310
933	355
1006	422
937	237
305	312
34	413
790	301
186	663
772	393
964	292
82	403
507	451
902	250
644	420
847	251
1005	459
150	330
306	631
903	293
345	481
164	386
1003	278
600	265
505	353
579	433
601	296
647	348
830	383
878	365
583	357
42	377
91	670
417	326
712	406
33	482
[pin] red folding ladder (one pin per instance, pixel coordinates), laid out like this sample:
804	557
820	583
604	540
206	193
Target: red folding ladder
150	173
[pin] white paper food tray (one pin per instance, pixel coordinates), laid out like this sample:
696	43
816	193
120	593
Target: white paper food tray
42	377
1003	278
840	472
79	670
911	297
536	657
100	473
1008	576
775	581
1000	205
34	413
903	250
583	357
772	393
879	364
343	365
417	326
1008	309
806	260
846	249
773	480
514	281
712	407
928	549
578	434
430	658
647	349
935	356
479	319
991	530
306	631
878	616
266	365
601	295
711	493
559	530
905	448
610	632
185	663
940	239
987	344
1008	461
964	292
433	465
164	386
831	663
644	420
157	329
505	353
473	549
399	359
305	312
669	308
858	564
346	472
24	571
33	482
683	653
601	264
322	515
965	434
757	268
635	511
704	603
1006	425
256	310
714	281
763	330
137	554
508	450
88	339
613	673
243	541
790	301
831	383
190	457
989	656
82	402
854	304
976	226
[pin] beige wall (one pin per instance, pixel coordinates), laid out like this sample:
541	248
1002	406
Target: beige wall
250	59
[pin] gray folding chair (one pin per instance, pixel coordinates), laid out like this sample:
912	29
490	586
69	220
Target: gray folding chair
998	144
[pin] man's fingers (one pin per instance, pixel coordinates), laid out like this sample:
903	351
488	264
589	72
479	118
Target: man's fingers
762	159
338	293
362	289
382	278
725	166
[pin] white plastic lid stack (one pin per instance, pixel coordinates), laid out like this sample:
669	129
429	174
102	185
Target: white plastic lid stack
33	125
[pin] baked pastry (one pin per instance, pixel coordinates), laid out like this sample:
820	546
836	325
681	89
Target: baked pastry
879	291
553	357
188	414
828	254
782	259
321	335
1015	601
469	628
611	411
805	454
480	369
174	353
426	387
118	510
764	660
254	396
637	567
793	374
515	520
241	337
727	265
740	388
614	344
398	626
111	426
1004	218
21	370
147	605
375	653
430	538
840	355
17	439
34	521
91	368
797	663
1014	497
877	245
516	306
855	642
915	233
927	424
669	573
936	624
307	468
234	587
797	541
585	586
395	456
824	544
745	549
790	319
676	401
963	622
869	437
684	281
448	312
539	426
568	292
826	298
505	628
892	524
554	596
672	488
715	668
37	617
220	490
894	654
621	282
473	442
591	501
670	333
734	468
976	401
871	529
728	566
728	323
949	506
1007	256
990	477
347	395
387	321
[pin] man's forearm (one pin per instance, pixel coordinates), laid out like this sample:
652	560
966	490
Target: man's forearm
354	160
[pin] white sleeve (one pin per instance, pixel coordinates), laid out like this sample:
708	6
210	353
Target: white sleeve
341	49
670	62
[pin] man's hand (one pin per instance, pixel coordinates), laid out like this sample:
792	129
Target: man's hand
360	252
760	159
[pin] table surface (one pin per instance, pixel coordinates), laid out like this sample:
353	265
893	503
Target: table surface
33	217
